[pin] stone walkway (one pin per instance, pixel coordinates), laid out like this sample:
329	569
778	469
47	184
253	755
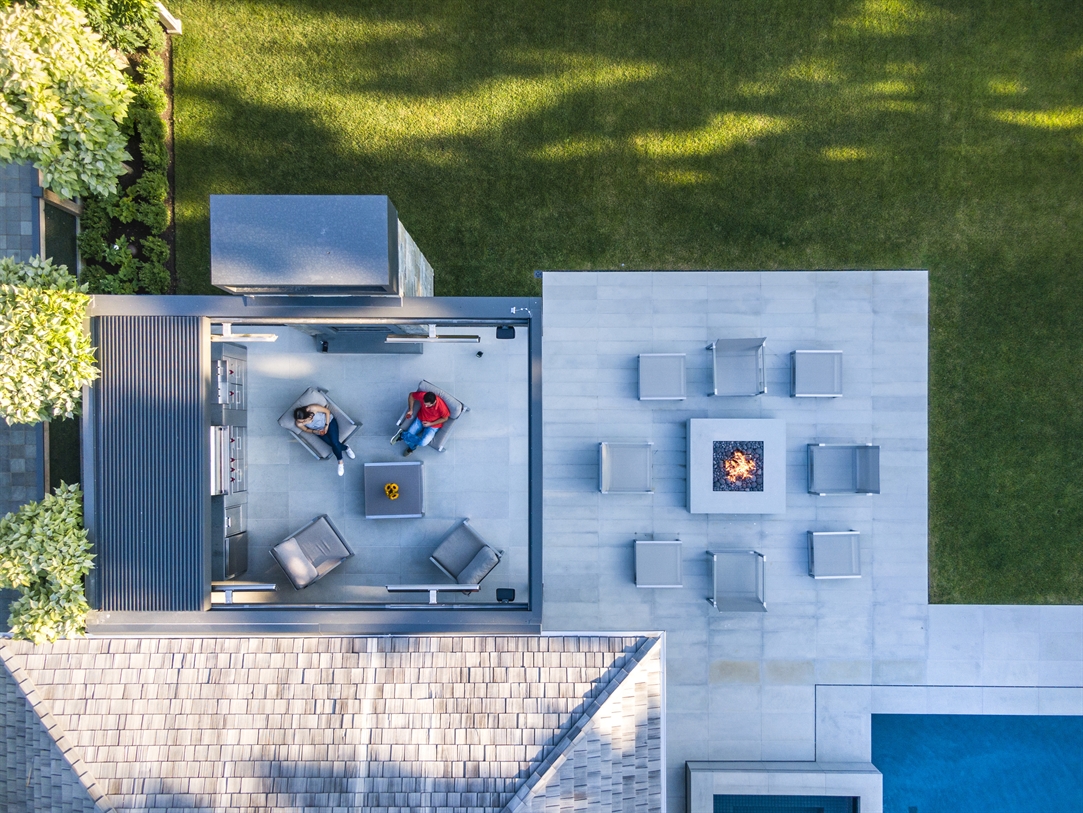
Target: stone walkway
22	475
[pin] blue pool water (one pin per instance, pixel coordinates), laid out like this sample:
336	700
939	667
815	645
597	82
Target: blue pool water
979	764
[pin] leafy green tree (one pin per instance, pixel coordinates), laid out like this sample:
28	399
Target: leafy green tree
46	352
62	96
45	554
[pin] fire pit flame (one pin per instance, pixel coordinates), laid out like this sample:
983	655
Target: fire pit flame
739	467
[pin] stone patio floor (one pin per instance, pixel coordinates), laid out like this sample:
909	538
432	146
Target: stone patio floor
800	682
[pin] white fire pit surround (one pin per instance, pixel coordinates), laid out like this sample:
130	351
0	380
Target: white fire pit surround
702	496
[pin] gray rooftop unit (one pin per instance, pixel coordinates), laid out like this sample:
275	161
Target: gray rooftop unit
337	245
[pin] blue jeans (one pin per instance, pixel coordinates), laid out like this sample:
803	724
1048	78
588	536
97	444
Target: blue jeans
418	435
331	439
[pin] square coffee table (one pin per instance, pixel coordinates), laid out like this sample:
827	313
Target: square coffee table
407	476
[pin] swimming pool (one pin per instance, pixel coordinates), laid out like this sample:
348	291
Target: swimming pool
979	764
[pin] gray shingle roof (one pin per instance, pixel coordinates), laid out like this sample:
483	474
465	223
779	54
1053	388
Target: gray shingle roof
388	724
39	768
611	758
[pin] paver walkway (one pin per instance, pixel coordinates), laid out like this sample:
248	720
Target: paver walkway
21	447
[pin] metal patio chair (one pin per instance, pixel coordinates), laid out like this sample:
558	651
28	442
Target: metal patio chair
625	468
737	366
738	581
816	373
834	554
840	468
658	563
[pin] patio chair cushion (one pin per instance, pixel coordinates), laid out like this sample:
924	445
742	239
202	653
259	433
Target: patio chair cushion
314	395
738	366
464	556
455	410
293	560
312	552
483	562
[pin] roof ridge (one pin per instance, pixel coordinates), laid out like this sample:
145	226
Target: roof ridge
557	756
53	729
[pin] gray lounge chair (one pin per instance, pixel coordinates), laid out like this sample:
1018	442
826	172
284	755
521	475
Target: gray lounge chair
834	554
658	563
312	552
737	366
738	581
315	445
816	373
625	468
662	377
454	406
464	556
837	468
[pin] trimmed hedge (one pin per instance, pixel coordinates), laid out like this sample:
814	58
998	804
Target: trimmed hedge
45	554
47	357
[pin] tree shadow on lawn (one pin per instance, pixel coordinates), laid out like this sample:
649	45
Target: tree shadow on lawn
886	133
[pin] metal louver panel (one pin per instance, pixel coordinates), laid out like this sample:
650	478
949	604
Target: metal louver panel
152	464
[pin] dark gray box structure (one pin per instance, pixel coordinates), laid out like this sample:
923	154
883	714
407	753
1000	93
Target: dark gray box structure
346	245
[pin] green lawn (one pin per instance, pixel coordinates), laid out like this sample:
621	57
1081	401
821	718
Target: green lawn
709	134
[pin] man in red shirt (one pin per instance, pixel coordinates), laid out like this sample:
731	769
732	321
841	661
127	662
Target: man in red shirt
432	413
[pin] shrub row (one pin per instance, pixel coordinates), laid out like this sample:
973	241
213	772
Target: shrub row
45	555
120	238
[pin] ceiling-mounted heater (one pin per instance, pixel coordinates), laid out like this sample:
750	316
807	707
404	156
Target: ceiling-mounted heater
227	335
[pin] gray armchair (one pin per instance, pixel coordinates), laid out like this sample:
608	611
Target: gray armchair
314	443
312	552
464	556
737	366
738	581
454	406
838	468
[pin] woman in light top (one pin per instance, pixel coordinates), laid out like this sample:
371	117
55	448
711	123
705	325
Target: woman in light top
319	421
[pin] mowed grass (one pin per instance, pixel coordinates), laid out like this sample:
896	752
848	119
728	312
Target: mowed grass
689	135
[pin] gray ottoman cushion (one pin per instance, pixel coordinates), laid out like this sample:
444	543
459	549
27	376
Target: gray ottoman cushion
479	567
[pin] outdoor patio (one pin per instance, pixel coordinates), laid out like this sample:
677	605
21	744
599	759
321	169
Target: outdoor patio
741	685
482	474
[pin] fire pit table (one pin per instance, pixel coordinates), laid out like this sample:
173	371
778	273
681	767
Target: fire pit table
736	466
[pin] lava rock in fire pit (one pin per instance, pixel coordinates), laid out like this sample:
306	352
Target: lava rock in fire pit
738	465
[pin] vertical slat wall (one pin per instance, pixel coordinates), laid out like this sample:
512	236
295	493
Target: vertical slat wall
151	462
